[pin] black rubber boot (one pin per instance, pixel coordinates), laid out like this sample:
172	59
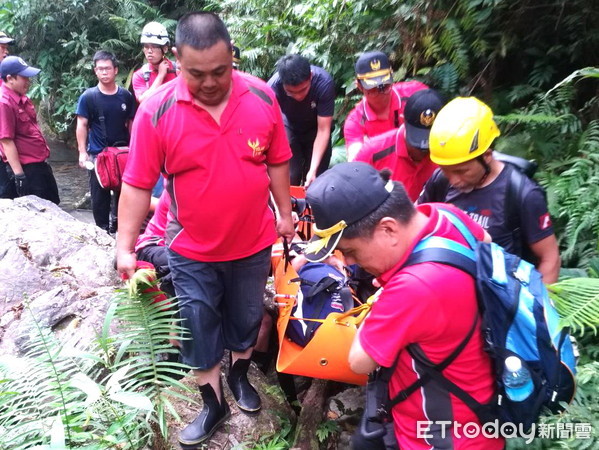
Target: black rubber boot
246	397
213	414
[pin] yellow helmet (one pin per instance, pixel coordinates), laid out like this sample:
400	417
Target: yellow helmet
463	130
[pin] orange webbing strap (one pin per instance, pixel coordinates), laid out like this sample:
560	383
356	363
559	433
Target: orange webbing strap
361	311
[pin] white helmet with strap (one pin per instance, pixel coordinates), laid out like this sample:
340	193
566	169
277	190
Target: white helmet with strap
154	33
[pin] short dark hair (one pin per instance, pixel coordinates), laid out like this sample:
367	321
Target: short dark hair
397	206
102	55
201	30
293	69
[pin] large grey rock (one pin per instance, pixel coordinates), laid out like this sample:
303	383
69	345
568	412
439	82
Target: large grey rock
53	268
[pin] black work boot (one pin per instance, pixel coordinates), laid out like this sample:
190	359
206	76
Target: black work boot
245	395
213	414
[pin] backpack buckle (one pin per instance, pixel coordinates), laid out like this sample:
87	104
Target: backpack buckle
382	414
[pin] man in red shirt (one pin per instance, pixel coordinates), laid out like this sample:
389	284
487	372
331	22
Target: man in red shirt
373	222
405	150
218	136
24	147
383	104
5	41
159	69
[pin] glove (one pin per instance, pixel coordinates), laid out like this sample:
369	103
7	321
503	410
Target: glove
22	185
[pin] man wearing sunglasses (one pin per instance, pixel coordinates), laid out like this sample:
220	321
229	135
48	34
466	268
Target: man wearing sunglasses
381	108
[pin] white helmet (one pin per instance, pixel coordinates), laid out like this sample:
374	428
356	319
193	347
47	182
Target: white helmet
154	33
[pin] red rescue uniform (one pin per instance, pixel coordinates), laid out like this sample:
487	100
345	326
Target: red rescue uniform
18	121
144	78
433	305
217	173
362	122
389	151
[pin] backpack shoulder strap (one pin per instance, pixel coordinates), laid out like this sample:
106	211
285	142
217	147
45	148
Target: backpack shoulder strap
512	206
447	251
451	253
431	371
440	186
94	94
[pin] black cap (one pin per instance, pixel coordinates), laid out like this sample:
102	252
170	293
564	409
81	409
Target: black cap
236	55
373	70
419	114
340	197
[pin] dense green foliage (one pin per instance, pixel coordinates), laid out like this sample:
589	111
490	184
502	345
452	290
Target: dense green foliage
114	395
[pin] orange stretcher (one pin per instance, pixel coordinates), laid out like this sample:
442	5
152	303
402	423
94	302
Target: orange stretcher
326	355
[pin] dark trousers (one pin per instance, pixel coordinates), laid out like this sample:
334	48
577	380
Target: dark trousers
40	180
157	256
301	147
4	180
104	202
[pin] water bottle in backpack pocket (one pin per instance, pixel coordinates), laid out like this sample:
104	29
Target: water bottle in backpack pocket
517	381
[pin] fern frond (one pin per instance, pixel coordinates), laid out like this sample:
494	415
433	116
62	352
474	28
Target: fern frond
577	302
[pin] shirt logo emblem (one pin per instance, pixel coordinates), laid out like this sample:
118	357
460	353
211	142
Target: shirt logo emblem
375	64
313	105
123	107
256	148
544	221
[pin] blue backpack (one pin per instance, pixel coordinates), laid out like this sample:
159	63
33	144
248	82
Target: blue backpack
518	319
323	290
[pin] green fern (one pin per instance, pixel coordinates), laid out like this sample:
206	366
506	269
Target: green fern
577	302
111	396
41	396
145	327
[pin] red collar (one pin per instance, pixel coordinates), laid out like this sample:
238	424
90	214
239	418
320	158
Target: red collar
17	98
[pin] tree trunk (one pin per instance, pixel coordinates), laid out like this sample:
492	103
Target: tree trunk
311	416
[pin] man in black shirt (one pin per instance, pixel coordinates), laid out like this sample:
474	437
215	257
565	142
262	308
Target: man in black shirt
306	94
506	203
104	116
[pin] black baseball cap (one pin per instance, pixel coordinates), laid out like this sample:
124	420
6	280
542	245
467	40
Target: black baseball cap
340	197
236	54
419	114
14	65
373	70
4	39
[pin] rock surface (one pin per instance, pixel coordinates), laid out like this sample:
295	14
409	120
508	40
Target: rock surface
54	268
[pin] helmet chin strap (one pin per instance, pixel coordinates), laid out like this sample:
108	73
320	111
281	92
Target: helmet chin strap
487	168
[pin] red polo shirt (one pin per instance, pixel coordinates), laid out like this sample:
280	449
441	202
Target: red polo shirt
18	121
140	86
217	174
432	305
388	151
362	123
